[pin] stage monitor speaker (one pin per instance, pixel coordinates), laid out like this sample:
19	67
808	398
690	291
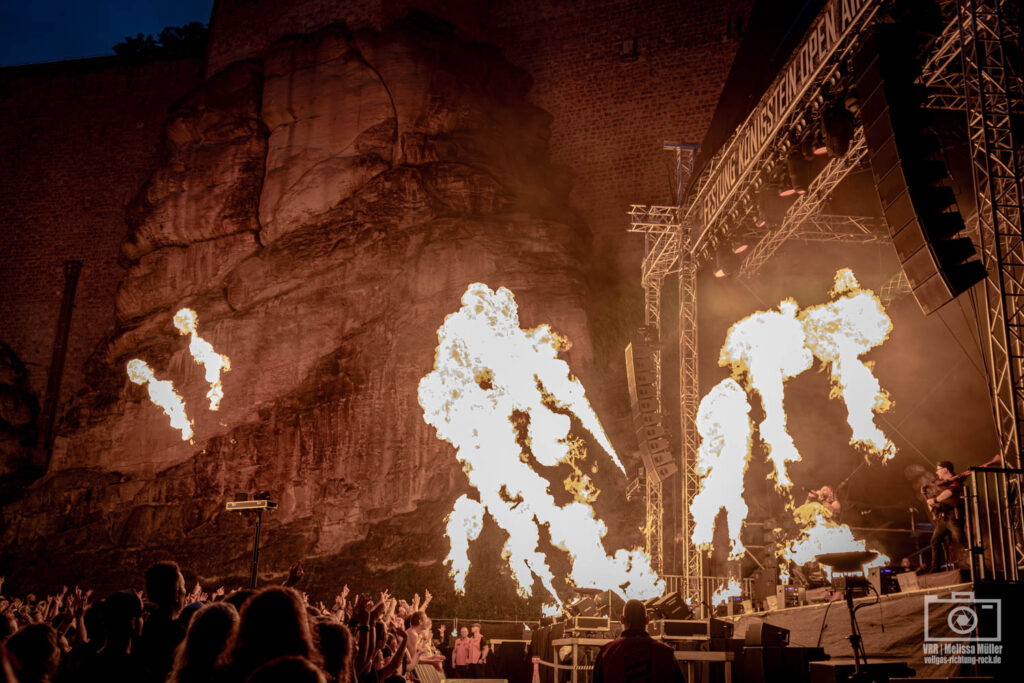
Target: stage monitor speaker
672	606
761	634
910	175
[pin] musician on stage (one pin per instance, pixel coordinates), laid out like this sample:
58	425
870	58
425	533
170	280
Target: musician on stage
945	505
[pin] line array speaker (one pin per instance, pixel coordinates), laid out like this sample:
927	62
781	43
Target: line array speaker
642	380
910	175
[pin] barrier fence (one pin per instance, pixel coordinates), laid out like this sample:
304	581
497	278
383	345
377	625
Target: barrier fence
995	524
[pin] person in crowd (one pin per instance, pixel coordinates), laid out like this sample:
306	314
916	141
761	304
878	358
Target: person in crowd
118	660
208	634
291	669
417	638
6	670
478	650
460	654
90	636
334	642
634	656
35	653
273	624
165	593
237	598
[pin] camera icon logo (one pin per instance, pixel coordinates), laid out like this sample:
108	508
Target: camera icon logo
967	618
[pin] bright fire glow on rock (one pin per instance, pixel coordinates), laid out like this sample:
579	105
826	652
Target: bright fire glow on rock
724	425
769	348
162	393
500	394
840	332
732	589
187	322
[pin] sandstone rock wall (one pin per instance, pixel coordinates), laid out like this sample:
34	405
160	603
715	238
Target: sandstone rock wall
322	209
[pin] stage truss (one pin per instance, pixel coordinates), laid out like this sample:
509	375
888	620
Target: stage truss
966	70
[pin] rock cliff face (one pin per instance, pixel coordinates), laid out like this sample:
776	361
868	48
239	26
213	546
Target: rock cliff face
322	210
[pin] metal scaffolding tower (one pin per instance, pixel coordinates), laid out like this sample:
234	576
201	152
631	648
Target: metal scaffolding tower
662	242
992	94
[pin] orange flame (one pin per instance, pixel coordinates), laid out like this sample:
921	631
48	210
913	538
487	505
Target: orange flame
187	322
724	425
487	372
162	394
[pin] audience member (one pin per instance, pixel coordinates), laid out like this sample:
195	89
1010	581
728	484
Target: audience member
273	624
34	652
635	656
165	593
212	628
334	642
291	669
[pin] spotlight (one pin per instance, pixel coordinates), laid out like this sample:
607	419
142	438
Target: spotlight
818	146
739	245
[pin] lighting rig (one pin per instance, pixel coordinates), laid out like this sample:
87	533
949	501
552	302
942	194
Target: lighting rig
811	105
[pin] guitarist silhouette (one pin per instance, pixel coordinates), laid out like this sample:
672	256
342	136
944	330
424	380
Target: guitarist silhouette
945	504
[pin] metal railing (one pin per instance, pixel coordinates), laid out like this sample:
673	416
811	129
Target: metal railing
995	524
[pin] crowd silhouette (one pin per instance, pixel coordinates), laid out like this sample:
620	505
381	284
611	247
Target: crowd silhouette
167	634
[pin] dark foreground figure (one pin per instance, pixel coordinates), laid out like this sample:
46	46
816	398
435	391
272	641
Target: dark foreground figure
635	657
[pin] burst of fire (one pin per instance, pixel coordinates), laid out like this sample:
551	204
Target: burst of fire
732	589
768	348
819	534
162	393
465	522
500	394
838	333
724	425
187	322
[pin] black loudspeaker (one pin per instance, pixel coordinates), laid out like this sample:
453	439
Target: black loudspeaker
671	606
641	378
910	176
760	634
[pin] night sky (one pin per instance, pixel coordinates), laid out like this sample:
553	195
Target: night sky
34	31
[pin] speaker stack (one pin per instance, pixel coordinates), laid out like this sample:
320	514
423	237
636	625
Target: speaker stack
642	379
910	174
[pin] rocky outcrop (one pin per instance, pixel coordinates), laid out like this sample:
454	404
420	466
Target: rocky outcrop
322	211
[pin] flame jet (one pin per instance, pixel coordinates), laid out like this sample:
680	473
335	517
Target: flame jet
464	524
724	425
819	535
769	347
838	333
487	370
187	322
162	393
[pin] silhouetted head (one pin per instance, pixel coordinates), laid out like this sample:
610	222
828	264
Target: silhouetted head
238	597
209	632
334	641
165	587
288	670
34	652
122	615
273	624
420	621
634	615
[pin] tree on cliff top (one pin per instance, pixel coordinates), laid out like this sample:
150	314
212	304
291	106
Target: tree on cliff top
174	42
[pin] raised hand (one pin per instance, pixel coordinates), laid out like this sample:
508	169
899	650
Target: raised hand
294	574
